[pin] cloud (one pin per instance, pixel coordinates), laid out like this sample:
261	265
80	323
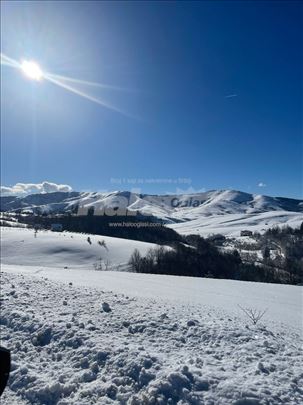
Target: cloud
23	189
261	184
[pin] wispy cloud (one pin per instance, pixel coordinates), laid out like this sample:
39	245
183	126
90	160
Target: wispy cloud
261	184
23	189
231	95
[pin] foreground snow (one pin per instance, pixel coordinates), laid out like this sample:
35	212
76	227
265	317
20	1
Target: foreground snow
69	347
282	302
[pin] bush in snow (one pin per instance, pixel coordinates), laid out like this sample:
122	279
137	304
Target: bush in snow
103	244
254	315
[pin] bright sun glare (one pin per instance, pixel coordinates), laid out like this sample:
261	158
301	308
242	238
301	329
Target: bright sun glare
31	70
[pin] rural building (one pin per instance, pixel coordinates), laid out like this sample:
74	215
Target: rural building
246	233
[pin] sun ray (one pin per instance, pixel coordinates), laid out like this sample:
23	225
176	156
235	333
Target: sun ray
34	72
82	94
6	60
85	82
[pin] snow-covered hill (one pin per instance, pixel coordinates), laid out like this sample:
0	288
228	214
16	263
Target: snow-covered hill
224	211
66	249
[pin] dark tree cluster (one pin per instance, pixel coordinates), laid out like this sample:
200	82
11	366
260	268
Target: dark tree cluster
197	257
289	243
194	257
152	230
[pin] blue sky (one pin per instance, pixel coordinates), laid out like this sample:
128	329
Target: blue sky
211	95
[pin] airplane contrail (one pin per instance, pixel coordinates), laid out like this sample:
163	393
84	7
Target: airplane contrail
231	95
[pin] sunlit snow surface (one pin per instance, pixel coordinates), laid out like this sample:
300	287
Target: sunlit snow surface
165	339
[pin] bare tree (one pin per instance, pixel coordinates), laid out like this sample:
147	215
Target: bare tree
107	264
99	264
135	261
253	314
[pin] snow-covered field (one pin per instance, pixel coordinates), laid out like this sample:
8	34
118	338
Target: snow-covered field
80	336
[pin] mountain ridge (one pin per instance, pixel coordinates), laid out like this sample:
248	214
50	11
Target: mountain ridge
212	199
186	213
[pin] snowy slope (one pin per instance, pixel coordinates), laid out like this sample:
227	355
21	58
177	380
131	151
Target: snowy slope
61	258
283	302
55	249
232	224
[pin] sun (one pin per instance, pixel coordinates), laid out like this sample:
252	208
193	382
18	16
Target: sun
31	70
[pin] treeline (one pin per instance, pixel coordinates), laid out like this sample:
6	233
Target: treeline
197	257
145	229
200	259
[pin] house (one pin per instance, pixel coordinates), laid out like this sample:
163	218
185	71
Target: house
246	233
56	227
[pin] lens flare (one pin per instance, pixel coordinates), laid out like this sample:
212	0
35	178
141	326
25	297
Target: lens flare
31	70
